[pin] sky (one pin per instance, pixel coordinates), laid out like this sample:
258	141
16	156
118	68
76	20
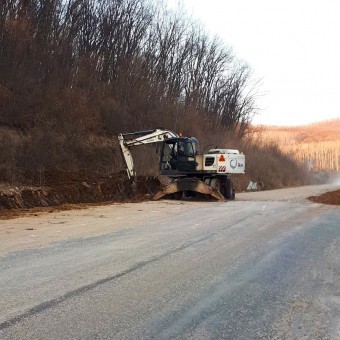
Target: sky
293	48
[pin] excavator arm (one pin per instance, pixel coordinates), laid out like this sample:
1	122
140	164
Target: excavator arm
131	139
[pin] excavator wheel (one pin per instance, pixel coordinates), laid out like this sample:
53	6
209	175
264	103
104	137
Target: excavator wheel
229	190
216	184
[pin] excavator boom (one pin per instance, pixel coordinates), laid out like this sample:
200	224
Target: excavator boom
144	137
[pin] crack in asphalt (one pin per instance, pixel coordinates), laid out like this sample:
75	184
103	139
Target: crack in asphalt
51	303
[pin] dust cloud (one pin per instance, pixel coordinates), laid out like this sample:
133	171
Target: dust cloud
335	179
323	177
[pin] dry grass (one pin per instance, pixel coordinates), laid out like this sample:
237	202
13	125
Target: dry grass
317	146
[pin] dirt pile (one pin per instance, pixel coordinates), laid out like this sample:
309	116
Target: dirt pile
70	188
332	197
60	189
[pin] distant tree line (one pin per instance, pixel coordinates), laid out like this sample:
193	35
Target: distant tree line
315	146
321	156
72	71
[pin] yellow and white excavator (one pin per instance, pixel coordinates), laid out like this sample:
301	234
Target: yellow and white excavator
183	169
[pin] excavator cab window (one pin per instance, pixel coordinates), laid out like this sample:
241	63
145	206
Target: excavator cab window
178	155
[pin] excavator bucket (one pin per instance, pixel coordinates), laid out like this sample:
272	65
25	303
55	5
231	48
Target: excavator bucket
189	184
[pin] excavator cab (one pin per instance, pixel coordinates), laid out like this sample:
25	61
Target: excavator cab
178	155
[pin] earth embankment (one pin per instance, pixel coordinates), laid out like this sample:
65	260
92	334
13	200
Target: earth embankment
66	191
73	188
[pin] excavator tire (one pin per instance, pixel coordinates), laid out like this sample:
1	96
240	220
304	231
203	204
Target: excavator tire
229	190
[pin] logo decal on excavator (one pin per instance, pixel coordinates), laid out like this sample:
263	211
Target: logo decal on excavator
221	159
233	163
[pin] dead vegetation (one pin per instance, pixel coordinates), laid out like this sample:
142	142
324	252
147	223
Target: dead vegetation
316	146
74	74
266	163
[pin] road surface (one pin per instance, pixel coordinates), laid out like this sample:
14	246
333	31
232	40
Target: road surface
266	266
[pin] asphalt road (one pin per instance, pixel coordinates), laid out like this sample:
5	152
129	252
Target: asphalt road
235	270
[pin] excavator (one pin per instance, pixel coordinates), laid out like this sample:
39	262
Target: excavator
184	171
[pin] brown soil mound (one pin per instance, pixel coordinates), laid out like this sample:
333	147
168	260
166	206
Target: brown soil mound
74	188
332	197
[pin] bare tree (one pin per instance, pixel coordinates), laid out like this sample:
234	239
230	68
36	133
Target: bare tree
70	69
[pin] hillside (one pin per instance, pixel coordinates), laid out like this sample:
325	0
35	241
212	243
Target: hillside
74	74
316	145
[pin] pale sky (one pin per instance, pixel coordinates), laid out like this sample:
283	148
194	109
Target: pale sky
292	46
